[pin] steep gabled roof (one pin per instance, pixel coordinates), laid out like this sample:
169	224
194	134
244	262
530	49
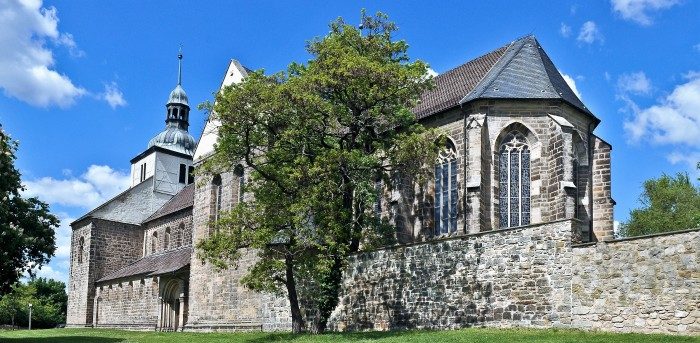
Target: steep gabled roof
152	265
182	200
518	70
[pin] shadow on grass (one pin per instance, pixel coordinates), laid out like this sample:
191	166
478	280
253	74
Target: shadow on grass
70	339
338	337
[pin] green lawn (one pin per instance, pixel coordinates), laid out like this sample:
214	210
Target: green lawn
466	335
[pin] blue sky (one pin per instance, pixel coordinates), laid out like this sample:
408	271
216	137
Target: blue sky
84	83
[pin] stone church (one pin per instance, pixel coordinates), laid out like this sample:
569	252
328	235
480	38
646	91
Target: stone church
515	229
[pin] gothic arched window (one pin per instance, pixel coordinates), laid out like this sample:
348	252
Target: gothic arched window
514	181
445	215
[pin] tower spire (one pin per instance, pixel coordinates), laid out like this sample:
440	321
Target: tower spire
179	66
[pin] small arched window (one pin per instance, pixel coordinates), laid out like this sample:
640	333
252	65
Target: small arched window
514	181
81	248
445	211
166	240
154	242
180	234
216	192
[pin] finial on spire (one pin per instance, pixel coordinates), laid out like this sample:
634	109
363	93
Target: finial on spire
179	66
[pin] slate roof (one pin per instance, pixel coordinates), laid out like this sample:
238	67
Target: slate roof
182	200
152	265
518	70
119	197
452	86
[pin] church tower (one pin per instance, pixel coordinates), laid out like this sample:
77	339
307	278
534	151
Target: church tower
168	158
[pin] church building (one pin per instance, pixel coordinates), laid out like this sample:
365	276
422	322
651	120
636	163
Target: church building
521	189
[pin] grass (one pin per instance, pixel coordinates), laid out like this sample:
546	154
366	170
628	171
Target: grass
476	335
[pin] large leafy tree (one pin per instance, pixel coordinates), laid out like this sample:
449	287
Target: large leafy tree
316	139
668	204
26	226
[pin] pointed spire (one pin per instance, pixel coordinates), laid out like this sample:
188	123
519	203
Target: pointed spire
179	66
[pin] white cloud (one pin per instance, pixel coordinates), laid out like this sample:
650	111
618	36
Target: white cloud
113	96
675	119
590	33
636	10
50	273
572	83
616	228
28	72
636	83
607	76
59	266
96	185
565	30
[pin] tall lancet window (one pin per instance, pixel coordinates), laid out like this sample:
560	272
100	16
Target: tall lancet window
217	193
445	215
514	181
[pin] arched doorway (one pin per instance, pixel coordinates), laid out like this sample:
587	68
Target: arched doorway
170	306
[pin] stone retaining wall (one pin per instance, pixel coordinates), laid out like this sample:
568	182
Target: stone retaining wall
645	284
509	277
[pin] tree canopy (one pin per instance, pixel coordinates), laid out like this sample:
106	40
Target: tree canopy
26	226
49	302
315	140
668	204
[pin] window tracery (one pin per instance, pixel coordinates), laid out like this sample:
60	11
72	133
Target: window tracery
445	207
514	181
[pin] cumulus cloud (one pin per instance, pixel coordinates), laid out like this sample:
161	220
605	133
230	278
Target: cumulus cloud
113	96
28	67
572	83
96	185
638	10
590	33
674	119
565	30
636	83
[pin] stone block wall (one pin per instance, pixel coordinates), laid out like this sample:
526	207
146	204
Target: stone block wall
180	229
217	299
602	194
127	304
80	281
508	277
644	284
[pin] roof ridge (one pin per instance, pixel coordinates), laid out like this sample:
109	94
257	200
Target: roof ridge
482	87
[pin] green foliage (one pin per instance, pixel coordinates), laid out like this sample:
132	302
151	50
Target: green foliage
48	298
26	226
474	335
668	204
315	139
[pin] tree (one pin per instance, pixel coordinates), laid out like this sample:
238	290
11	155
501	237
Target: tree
668	204
316	139
26	226
48	298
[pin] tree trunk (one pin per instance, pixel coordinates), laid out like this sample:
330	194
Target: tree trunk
297	319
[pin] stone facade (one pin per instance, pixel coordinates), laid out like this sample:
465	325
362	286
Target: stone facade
515	229
218	301
107	246
643	284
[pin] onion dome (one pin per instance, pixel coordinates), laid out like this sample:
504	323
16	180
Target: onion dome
174	139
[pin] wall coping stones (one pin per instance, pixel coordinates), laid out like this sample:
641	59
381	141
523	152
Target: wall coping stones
617	240
465	236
